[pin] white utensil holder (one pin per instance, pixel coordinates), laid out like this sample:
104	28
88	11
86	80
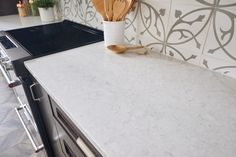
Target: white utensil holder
113	32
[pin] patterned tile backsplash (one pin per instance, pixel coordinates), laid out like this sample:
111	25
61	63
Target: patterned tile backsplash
201	32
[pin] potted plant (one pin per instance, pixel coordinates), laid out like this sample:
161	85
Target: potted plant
46	10
34	7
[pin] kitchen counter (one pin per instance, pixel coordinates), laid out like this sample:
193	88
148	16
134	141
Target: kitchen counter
134	106
14	22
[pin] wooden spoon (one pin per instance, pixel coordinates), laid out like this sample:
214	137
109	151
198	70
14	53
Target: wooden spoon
122	48
127	9
108	5
130	4
118	9
99	6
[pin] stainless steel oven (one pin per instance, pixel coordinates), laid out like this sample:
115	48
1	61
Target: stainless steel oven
22	110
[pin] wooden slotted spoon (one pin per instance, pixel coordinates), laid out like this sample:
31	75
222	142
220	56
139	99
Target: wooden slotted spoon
99	6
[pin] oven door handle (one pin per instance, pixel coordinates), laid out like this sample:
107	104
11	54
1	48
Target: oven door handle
10	83
36	148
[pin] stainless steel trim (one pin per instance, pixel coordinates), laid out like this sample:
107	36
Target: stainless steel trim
8	66
15	53
30	116
32	93
11	41
3	59
5	74
36	148
3	56
10	83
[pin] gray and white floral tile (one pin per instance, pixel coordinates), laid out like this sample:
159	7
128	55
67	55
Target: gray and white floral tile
221	66
131	26
187	30
221	38
81	11
230	4
153	18
190	30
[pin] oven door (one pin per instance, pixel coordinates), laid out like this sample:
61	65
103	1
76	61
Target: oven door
5	67
13	81
23	110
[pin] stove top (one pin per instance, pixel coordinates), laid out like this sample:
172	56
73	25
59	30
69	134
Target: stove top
51	38
19	45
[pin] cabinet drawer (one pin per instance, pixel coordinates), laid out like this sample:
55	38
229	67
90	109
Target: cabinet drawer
73	133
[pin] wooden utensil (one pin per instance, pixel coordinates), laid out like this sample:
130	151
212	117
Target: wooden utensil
118	9
108	6
99	6
122	48
129	4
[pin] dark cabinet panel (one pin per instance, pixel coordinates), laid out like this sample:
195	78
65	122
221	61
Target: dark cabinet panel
28	85
8	7
45	110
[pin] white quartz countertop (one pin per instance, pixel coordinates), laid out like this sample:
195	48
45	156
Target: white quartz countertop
142	106
15	21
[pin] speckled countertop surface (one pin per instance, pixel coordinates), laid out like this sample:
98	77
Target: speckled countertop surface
135	106
14	22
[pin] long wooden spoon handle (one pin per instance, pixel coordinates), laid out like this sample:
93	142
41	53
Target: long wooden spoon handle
134	47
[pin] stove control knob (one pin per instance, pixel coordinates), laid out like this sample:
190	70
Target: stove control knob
8	65
4	59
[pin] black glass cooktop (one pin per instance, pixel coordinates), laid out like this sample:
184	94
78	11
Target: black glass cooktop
56	37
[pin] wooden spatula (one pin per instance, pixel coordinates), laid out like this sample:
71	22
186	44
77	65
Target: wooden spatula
99	6
108	5
118	9
129	4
